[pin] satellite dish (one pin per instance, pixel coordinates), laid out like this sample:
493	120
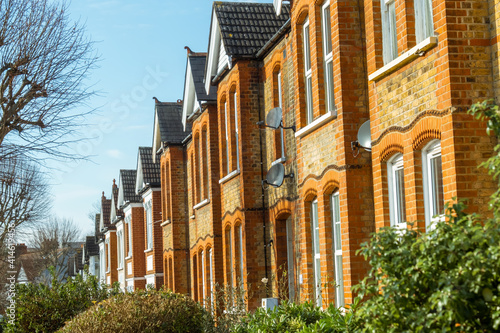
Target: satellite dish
276	175
364	136
273	119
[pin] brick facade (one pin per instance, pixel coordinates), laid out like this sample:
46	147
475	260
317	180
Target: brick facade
220	224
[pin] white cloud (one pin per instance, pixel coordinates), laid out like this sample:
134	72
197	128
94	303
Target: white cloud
114	153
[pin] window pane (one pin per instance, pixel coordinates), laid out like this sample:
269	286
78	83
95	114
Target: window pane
339	279
315	226
329	85
389	37
399	188
307	55
327	30
309	99
436	174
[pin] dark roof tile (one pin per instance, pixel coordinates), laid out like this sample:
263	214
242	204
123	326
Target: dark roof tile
237	19
150	170
170	122
128	178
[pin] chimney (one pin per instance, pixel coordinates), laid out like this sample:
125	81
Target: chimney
21	249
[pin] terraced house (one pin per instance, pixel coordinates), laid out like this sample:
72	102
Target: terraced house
304	127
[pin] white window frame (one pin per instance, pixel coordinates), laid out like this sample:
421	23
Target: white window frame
424	23
397	208
211	282
128	222
149	226
239	230
203	275
282	134
308	72
389	33
108	256
328	57
230	259
290	260
236	131
227	138
119	243
316	252
429	153
337	249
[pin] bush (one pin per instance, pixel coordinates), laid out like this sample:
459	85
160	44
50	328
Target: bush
40	308
143	311
300	318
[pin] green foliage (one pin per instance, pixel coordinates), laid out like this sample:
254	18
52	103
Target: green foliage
40	308
447	279
300	318
143	311
488	111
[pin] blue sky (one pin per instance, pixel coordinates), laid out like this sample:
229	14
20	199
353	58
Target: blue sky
142	50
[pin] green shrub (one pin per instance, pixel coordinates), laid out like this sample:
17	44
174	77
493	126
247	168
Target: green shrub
143	311
40	308
447	279
300	318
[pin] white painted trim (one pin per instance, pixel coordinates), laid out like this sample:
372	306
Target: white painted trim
229	176
318	122
165	223
405	58
201	204
128	257
153	275
148	250
135	279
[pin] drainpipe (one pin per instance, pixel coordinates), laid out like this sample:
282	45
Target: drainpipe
259	97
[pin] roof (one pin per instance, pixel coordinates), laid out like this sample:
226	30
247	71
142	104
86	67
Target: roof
91	247
106	211
150	170
127	183
170	123
246	27
197	63
97	220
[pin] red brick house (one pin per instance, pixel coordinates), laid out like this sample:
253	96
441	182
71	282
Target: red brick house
199	112
147	185
133	231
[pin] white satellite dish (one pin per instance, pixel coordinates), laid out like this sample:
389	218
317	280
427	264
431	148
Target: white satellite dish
274	120
274	117
364	136
276	175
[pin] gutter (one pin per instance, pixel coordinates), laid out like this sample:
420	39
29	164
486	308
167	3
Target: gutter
280	33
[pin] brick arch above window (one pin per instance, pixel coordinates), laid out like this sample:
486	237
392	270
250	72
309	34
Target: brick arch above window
330	182
426	130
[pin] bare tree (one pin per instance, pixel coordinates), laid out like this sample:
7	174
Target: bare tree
24	196
44	61
55	242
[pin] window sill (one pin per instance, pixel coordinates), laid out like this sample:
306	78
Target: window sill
165	223
119	269
229	176
128	257
148	250
316	124
279	160
201	204
418	50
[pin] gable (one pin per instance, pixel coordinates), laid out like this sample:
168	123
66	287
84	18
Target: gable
156	137
190	103
139	181
215	62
